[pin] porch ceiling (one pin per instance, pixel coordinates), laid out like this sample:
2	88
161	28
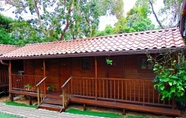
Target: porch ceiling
121	44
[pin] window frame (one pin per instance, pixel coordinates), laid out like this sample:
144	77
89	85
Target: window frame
146	69
85	61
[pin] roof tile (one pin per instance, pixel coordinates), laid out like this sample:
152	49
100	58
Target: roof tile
147	40
7	48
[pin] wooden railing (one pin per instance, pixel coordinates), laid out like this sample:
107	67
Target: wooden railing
133	91
3	77
137	91
24	82
41	90
66	92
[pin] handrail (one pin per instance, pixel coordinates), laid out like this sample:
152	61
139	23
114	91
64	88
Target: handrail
38	90
41	81
66	82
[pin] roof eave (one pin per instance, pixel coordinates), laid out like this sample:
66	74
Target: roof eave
109	53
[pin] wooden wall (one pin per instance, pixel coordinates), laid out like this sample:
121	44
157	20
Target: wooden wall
59	70
132	68
33	67
127	66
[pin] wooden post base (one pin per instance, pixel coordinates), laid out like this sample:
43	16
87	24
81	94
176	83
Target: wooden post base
124	112
30	100
84	107
11	96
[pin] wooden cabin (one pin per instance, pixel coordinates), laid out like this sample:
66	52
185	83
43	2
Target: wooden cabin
61	72
4	67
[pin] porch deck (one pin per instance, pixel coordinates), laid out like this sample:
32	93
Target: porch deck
126	94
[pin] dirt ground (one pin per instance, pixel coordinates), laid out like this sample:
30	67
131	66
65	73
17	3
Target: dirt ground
22	99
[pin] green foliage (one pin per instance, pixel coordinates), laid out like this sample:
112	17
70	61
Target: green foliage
61	20
28	86
170	78
136	20
109	61
108	31
5	30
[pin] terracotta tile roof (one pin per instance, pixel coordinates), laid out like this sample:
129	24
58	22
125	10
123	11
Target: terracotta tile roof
120	43
6	48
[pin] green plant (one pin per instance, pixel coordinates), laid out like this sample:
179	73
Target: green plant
27	86
170	80
109	61
50	88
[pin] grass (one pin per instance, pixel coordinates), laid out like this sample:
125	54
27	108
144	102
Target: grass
73	111
101	114
93	113
2	115
19	104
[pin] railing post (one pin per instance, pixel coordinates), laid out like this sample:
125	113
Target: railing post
63	97
44	88
38	96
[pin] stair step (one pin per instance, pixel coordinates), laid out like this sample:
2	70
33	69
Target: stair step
52	101
51	107
54	96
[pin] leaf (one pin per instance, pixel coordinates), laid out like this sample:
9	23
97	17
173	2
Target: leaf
162	87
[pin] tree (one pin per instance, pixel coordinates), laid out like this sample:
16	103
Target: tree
136	20
5	29
107	31
169	15
66	19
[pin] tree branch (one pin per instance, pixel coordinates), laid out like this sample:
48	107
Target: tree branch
37	12
67	25
150	2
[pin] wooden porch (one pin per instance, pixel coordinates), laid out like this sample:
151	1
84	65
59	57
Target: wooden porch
126	94
121	86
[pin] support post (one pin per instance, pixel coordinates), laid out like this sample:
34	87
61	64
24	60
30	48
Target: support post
44	68
44	74
10	79
96	78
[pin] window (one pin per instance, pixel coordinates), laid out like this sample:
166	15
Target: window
144	64
86	64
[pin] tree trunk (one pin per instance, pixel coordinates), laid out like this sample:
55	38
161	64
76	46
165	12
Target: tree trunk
150	2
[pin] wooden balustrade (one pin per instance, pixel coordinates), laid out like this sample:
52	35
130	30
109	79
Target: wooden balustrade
3	77
66	92
22	82
41	90
134	91
137	91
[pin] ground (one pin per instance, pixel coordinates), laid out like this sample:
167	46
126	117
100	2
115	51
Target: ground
93	108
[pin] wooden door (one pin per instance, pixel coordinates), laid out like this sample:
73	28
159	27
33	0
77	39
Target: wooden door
52	72
65	70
